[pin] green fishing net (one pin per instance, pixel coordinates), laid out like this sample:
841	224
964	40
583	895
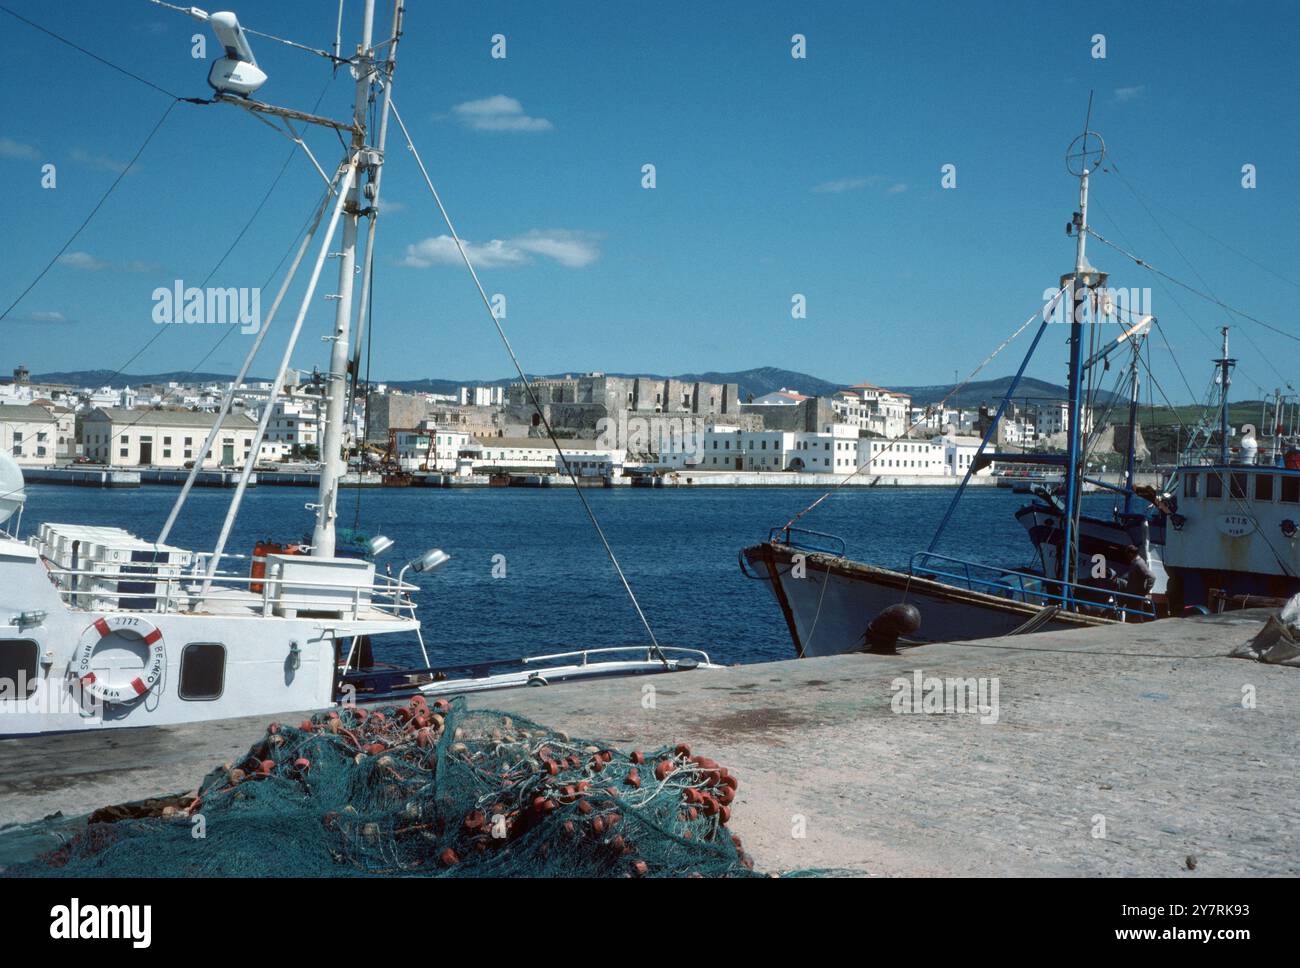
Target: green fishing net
423	790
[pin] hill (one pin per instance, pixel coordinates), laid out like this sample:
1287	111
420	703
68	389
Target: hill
752	382
757	381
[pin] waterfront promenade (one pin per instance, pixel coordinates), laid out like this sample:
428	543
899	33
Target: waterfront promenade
1118	751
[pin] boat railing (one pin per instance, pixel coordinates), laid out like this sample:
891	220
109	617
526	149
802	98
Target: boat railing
1029	588
648	652
615	657
807	540
165	588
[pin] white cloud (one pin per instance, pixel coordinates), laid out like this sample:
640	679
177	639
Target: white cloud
39	317
82	260
856	183
102	162
90	263
571	249
842	185
9	148
498	113
1123	94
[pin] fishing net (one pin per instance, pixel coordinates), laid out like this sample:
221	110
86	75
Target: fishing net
424	789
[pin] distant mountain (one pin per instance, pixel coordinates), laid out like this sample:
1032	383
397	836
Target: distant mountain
758	381
988	391
99	378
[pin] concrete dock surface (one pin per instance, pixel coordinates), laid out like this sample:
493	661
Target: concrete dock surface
1118	751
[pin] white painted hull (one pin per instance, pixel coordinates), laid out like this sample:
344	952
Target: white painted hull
259	674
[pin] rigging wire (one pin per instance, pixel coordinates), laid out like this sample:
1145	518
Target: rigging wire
1111	166
1192	289
528	386
86	221
281	40
1047	308
1182	255
107	63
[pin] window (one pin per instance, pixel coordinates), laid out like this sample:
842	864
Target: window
18	668
1263	487
167	441
1192	485
203	670
1213	485
1291	489
1237	485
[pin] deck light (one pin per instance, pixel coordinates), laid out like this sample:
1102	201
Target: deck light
430	560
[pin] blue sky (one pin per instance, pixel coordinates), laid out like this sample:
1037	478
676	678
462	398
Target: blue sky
775	176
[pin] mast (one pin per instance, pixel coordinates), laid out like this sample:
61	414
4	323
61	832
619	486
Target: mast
1131	462
333	462
1088	155
1277	426
1225	378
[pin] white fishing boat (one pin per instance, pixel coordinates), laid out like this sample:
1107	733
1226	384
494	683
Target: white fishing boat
100	628
1233	523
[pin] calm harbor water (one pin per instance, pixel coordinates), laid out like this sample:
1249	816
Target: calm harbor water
678	549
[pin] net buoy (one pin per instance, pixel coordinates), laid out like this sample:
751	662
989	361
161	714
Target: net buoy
120	692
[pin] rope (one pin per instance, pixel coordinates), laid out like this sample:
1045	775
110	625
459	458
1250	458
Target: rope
1037	621
487	303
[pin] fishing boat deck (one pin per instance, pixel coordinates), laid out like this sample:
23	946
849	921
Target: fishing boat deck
1117	751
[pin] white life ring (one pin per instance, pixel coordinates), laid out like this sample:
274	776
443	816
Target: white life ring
123	692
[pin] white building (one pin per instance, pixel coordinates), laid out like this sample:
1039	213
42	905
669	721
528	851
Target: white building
163	438
872	408
779	398
830	451
958	454
1054	418
30	433
481	396
587	458
432	448
904	457
295	422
